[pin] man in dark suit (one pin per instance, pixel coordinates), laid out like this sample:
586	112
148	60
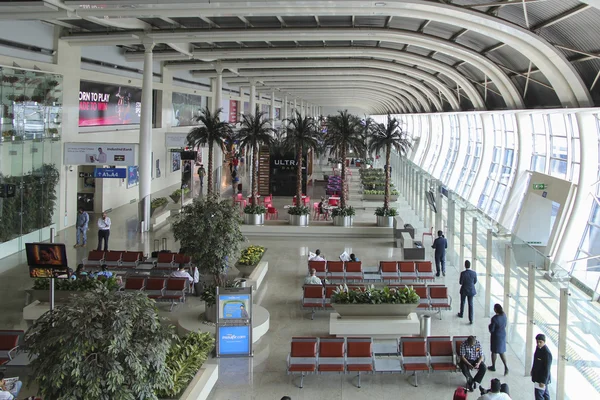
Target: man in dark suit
467	281
440	244
540	371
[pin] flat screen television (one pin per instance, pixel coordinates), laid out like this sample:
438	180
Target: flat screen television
47	260
188	155
431	200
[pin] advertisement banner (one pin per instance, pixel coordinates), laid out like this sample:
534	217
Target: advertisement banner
105	173
133	175
234	306
186	108
99	154
233	111
233	340
176	140
101	104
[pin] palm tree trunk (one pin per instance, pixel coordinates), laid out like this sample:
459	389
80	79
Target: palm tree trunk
386	197
299	176
254	173
209	180
344	187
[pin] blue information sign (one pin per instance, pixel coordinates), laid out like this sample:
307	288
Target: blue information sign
234	340
110	173
234	306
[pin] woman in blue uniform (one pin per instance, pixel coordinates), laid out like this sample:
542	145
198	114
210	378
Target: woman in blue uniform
497	329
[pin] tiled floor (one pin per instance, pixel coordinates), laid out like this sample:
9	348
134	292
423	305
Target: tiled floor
264	376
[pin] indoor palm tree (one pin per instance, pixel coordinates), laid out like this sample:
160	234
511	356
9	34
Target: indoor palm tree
386	137
343	133
302	135
369	125
255	131
212	131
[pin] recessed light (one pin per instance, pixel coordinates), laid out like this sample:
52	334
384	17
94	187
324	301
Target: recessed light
379	4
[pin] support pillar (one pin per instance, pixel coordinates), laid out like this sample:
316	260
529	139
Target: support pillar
439	203
461	258
488	272
252	111
241	107
507	267
474	246
562	359
451	231
272	110
529	340
295	107
145	141
218	153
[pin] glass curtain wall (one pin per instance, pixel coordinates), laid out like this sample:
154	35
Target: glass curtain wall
30	156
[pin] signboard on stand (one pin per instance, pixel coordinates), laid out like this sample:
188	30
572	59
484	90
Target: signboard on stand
234	322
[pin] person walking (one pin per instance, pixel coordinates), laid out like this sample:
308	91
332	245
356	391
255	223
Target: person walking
497	330
201	173
467	281
83	219
103	231
540	370
440	244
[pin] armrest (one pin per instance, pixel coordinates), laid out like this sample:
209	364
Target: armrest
14	349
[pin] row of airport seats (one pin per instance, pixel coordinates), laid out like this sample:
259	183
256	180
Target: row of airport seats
431	297
389	271
160	289
312	355
122	260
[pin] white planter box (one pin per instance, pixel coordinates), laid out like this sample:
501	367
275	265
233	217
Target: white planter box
375	310
299	220
203	383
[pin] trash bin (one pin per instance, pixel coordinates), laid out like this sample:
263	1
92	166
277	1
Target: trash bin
425	326
241	282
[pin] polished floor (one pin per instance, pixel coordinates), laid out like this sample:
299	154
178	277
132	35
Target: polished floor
264	376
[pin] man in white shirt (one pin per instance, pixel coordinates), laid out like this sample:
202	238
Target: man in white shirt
5	393
496	392
101	157
312	279
103	231
316	256
182	273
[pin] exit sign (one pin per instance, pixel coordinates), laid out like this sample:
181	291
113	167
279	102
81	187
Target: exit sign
539	186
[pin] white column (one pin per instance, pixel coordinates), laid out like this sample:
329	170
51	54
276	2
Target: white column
284	108
563	327
474	246
217	153
252	102
488	272
529	342
272	110
301	110
507	268
461	238
242	101
145	158
439	204
295	107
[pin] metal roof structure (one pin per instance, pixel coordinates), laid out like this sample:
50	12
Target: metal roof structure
386	56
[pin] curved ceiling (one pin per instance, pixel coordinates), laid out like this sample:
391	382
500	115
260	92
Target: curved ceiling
386	56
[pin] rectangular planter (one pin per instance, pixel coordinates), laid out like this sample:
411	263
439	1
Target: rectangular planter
246	270
374	310
378	197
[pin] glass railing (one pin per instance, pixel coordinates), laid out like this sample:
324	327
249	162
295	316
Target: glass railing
516	275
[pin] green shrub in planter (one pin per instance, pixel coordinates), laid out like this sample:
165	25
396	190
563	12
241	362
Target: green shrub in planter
372	295
256	209
343	212
176	195
184	359
380	192
386	212
77	285
159	202
299	210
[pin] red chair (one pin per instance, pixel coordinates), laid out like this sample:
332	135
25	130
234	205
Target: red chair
423	299
389	271
112	259
332	202
335	270
316	210
407	270
332	353
182	259
294	200
439	298
312	298
425	270
134	283
268	199
175	291
329	289
359	356
238	197
303	357
413	352
441	354
272	211
318	266
9	343
95	258
131	259
306	200
155	287
354	271
165	261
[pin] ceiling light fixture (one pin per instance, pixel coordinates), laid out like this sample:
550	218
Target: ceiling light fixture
380	4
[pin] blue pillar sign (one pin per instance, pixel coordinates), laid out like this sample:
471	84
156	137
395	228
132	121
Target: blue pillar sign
234	322
107	173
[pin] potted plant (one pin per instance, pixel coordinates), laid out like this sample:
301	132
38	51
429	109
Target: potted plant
385	216
212	131
299	215
208	230
254	214
344	132
176	195
65	288
249	259
104	345
157	205
185	357
343	216
254	132
302	136
53	132
375	302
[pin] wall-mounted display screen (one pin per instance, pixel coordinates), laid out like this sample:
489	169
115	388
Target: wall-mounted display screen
186	108
101	104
